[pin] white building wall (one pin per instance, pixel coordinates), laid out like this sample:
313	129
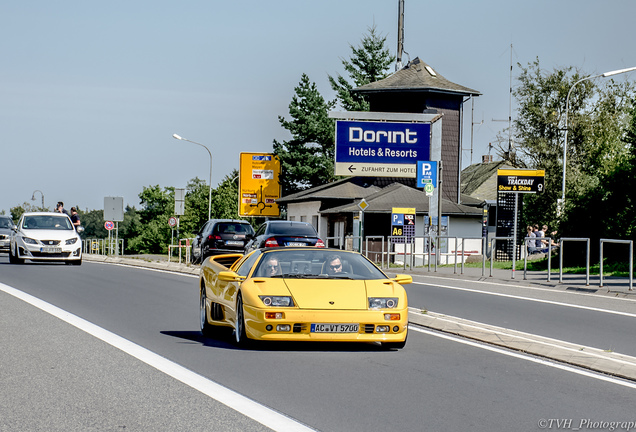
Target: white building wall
304	212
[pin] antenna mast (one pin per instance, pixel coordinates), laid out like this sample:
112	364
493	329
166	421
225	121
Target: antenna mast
400	39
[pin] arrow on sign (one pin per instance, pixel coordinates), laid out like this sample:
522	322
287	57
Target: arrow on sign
351	168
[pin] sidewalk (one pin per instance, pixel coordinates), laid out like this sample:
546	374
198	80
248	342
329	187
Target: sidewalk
610	363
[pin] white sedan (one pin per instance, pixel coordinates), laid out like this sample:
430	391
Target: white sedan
45	237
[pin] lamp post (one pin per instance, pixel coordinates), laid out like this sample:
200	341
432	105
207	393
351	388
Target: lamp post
561	202
175	136
33	197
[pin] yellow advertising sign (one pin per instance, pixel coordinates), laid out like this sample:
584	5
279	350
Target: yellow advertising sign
259	186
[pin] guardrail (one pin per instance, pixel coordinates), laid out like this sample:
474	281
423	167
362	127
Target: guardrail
587	258
631	260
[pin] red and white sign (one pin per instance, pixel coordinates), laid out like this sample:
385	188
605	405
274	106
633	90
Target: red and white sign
109	225
172	221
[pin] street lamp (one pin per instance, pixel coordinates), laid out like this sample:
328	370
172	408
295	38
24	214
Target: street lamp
561	202
175	136
33	197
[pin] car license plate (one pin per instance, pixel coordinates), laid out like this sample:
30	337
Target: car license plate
49	249
295	244
234	243
334	328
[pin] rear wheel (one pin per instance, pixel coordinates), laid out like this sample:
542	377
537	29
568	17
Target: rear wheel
206	328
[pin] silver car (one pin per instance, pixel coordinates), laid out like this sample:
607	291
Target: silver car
45	236
6	223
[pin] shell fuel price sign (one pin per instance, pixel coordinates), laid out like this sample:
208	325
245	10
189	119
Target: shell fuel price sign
259	185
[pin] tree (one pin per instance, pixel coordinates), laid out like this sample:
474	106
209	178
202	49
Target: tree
153	234
368	63
307	159
225	197
597	117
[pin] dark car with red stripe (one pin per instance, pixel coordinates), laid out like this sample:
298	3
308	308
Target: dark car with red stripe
220	236
276	233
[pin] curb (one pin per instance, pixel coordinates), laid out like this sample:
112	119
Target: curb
610	363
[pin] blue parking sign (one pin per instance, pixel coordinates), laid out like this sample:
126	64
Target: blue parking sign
426	173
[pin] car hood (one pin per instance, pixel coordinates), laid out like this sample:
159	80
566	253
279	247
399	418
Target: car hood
44	234
329	294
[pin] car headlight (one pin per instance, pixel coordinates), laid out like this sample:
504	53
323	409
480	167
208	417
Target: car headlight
383	302
277	301
29	240
71	241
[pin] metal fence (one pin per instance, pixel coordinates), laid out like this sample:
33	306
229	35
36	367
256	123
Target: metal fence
103	246
424	251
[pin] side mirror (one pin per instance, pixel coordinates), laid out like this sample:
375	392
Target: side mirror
230	276
14	228
80	229
403	279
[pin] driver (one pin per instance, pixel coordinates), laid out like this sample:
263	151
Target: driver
334	264
272	267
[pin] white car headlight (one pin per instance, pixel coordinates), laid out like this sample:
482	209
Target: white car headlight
29	240
277	301
71	241
383	302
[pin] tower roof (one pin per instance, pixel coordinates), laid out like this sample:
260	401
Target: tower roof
417	76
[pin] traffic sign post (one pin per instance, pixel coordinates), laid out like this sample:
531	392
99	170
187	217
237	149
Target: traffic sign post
259	185
519	181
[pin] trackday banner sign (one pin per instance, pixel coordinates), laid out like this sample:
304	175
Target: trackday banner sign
381	149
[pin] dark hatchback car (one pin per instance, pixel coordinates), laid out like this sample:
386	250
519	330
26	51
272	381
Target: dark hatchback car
219	236
276	233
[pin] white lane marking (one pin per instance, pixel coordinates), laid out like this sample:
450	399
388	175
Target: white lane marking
172	272
627	314
252	409
551	290
527	357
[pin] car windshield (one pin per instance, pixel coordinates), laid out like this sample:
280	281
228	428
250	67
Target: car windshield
316	264
6	223
232	228
292	229
47	222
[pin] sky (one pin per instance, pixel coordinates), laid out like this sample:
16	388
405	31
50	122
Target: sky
92	92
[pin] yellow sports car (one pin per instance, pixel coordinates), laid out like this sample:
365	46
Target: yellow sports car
303	294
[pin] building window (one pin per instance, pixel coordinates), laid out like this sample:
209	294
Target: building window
303	218
314	221
292	218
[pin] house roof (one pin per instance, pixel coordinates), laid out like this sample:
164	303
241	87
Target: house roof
341	189
479	180
416	76
399	195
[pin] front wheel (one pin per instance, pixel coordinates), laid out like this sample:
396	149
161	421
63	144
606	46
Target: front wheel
395	345
13	258
239	330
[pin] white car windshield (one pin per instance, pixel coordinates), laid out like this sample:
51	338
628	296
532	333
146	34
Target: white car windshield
47	222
